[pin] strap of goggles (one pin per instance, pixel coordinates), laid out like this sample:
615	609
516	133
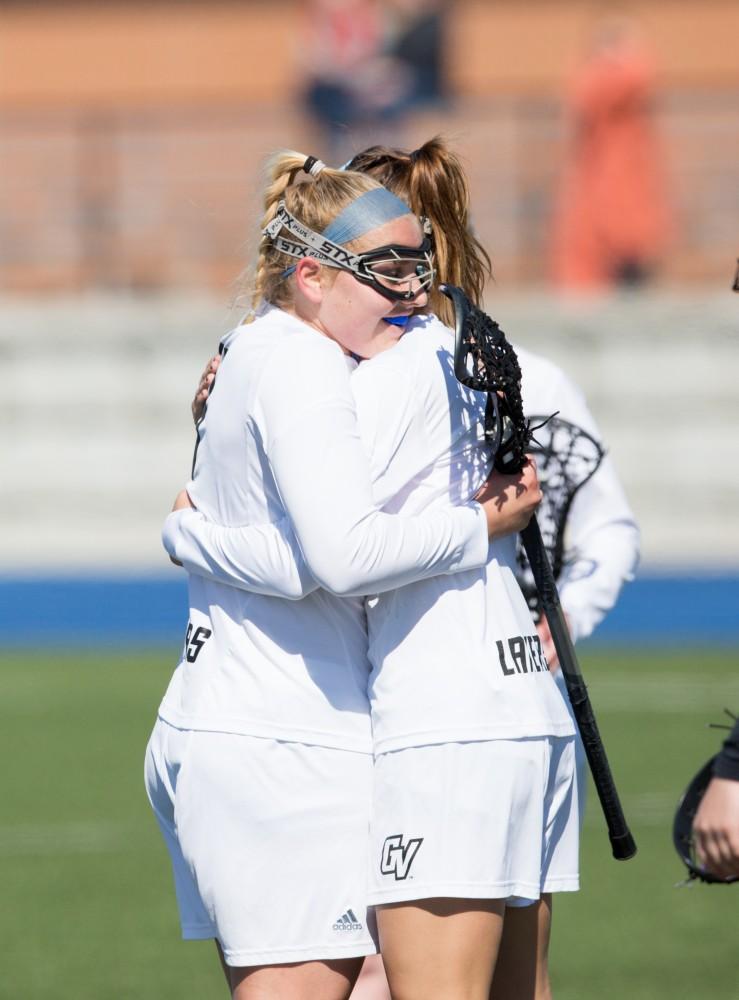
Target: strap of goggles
312	245
327	252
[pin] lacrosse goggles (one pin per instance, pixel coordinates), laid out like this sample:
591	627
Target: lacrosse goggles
388	270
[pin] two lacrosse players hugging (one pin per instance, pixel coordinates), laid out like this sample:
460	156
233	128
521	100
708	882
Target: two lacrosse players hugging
336	761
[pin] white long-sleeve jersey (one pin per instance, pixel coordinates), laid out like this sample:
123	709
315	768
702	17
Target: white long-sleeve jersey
601	542
459	658
453	658
279	439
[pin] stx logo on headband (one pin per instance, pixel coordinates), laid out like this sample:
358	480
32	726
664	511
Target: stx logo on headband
293	249
341	258
399	273
337	253
314	244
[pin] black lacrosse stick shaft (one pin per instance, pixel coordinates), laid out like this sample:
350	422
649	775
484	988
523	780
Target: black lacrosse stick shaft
622	842
484	360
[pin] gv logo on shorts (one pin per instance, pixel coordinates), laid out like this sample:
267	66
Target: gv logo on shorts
397	857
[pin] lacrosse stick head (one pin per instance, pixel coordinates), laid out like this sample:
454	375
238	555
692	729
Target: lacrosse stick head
466	368
682	827
485	361
566	457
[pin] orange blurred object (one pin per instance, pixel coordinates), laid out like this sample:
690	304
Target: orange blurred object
612	218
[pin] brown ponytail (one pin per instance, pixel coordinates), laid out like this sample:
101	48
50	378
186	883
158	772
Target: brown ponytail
432	181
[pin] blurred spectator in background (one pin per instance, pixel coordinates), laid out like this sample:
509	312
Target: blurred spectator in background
612	219
367	63
417	42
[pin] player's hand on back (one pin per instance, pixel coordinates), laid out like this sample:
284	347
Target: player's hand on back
182	501
201	393
510	501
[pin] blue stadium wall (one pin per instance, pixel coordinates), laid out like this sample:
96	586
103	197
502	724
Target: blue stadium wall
701	608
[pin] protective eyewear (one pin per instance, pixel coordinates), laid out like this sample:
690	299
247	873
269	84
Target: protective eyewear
399	273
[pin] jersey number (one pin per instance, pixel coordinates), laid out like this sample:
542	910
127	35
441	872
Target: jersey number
194	641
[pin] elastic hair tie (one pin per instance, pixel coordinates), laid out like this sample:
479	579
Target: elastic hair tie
313	166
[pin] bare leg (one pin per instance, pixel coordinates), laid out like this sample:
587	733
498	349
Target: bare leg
330	980
372	982
440	949
522	970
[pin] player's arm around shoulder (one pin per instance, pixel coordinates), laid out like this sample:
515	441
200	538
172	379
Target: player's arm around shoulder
321	472
261	559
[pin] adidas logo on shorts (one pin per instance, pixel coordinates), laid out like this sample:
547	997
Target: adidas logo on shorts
348	922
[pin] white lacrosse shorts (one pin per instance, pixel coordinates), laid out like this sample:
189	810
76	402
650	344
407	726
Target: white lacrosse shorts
493	819
581	761
268	841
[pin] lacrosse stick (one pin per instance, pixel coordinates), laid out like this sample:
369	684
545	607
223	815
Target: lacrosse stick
566	458
485	361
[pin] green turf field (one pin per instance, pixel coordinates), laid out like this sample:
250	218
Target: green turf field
88	910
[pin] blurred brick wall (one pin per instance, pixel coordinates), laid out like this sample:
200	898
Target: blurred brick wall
137	200
132	135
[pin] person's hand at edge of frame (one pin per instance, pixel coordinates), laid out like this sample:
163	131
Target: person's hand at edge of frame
716	828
